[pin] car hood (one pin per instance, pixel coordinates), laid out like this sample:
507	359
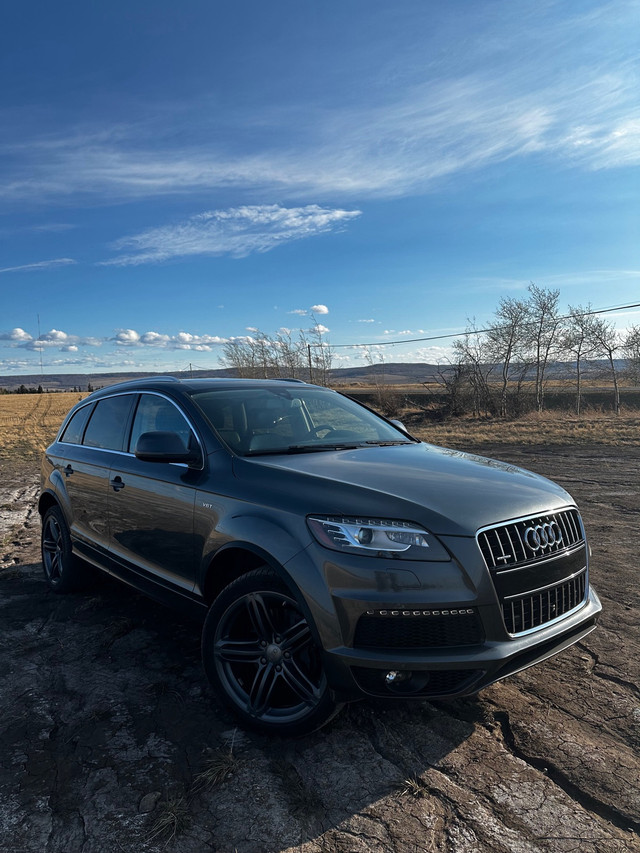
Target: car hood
450	492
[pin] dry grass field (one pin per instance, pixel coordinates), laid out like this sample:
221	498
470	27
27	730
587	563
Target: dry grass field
553	428
29	422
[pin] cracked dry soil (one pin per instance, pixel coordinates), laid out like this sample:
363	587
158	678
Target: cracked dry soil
112	741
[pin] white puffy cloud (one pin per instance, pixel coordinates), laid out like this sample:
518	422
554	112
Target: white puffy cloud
54	339
320	329
154	339
158	340
237	232
127	337
319	309
16	335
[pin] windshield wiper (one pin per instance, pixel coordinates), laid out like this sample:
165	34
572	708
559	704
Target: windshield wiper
307	448
390	443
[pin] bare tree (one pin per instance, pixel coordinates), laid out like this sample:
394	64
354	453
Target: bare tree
473	356
280	356
607	343
579	341
506	345
543	323
631	350
318	351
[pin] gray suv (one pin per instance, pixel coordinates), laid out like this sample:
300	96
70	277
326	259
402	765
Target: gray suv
332	555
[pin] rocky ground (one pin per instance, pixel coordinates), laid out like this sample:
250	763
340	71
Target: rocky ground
111	741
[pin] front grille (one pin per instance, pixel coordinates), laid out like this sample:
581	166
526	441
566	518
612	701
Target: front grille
527	539
435	682
418	632
534	610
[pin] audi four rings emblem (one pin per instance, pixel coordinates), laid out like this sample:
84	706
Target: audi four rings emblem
543	535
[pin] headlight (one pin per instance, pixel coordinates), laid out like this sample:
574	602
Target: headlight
377	537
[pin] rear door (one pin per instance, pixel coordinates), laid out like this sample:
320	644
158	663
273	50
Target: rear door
92	438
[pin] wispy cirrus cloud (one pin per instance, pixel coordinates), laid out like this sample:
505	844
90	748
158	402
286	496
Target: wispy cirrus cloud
41	265
544	82
238	232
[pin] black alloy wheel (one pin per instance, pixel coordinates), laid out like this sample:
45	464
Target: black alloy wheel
259	652
61	569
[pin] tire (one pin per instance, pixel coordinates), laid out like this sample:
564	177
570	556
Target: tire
62	569
260	655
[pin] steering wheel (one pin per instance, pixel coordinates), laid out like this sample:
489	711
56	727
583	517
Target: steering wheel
322	427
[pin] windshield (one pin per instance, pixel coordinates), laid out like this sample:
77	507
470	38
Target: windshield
255	421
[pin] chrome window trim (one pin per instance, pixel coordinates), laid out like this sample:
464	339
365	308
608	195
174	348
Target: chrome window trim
136	393
68	417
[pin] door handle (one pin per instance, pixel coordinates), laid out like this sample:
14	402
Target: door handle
116	484
68	471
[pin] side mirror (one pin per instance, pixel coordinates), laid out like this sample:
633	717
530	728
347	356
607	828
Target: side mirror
399	424
161	446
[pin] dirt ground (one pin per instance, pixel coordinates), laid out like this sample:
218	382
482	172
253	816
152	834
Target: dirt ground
111	740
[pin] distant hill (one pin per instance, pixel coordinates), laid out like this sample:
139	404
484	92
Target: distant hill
394	373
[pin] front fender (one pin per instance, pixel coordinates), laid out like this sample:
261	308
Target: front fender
269	540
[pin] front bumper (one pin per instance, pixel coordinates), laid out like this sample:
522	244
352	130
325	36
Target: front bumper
340	594
457	671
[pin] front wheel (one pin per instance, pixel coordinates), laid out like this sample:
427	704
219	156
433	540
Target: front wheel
260	655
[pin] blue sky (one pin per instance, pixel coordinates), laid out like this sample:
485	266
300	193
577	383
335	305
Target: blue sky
174	175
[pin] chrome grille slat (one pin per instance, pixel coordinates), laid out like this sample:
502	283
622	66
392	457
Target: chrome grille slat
529	612
540	539
491	540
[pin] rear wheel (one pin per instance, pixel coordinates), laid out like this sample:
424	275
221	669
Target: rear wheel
61	569
259	653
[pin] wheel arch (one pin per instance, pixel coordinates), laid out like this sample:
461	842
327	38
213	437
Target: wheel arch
46	501
235	560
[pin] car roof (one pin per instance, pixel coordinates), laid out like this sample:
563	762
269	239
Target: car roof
171	384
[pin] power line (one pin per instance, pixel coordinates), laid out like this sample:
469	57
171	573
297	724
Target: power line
474	331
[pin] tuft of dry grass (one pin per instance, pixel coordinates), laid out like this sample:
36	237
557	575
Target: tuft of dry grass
414	787
220	764
172	818
29	422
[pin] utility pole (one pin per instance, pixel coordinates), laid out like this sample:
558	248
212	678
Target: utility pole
40	350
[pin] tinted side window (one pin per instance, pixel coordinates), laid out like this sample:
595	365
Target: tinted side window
108	422
156	413
74	429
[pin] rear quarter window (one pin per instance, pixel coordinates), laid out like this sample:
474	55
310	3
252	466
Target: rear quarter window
74	430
